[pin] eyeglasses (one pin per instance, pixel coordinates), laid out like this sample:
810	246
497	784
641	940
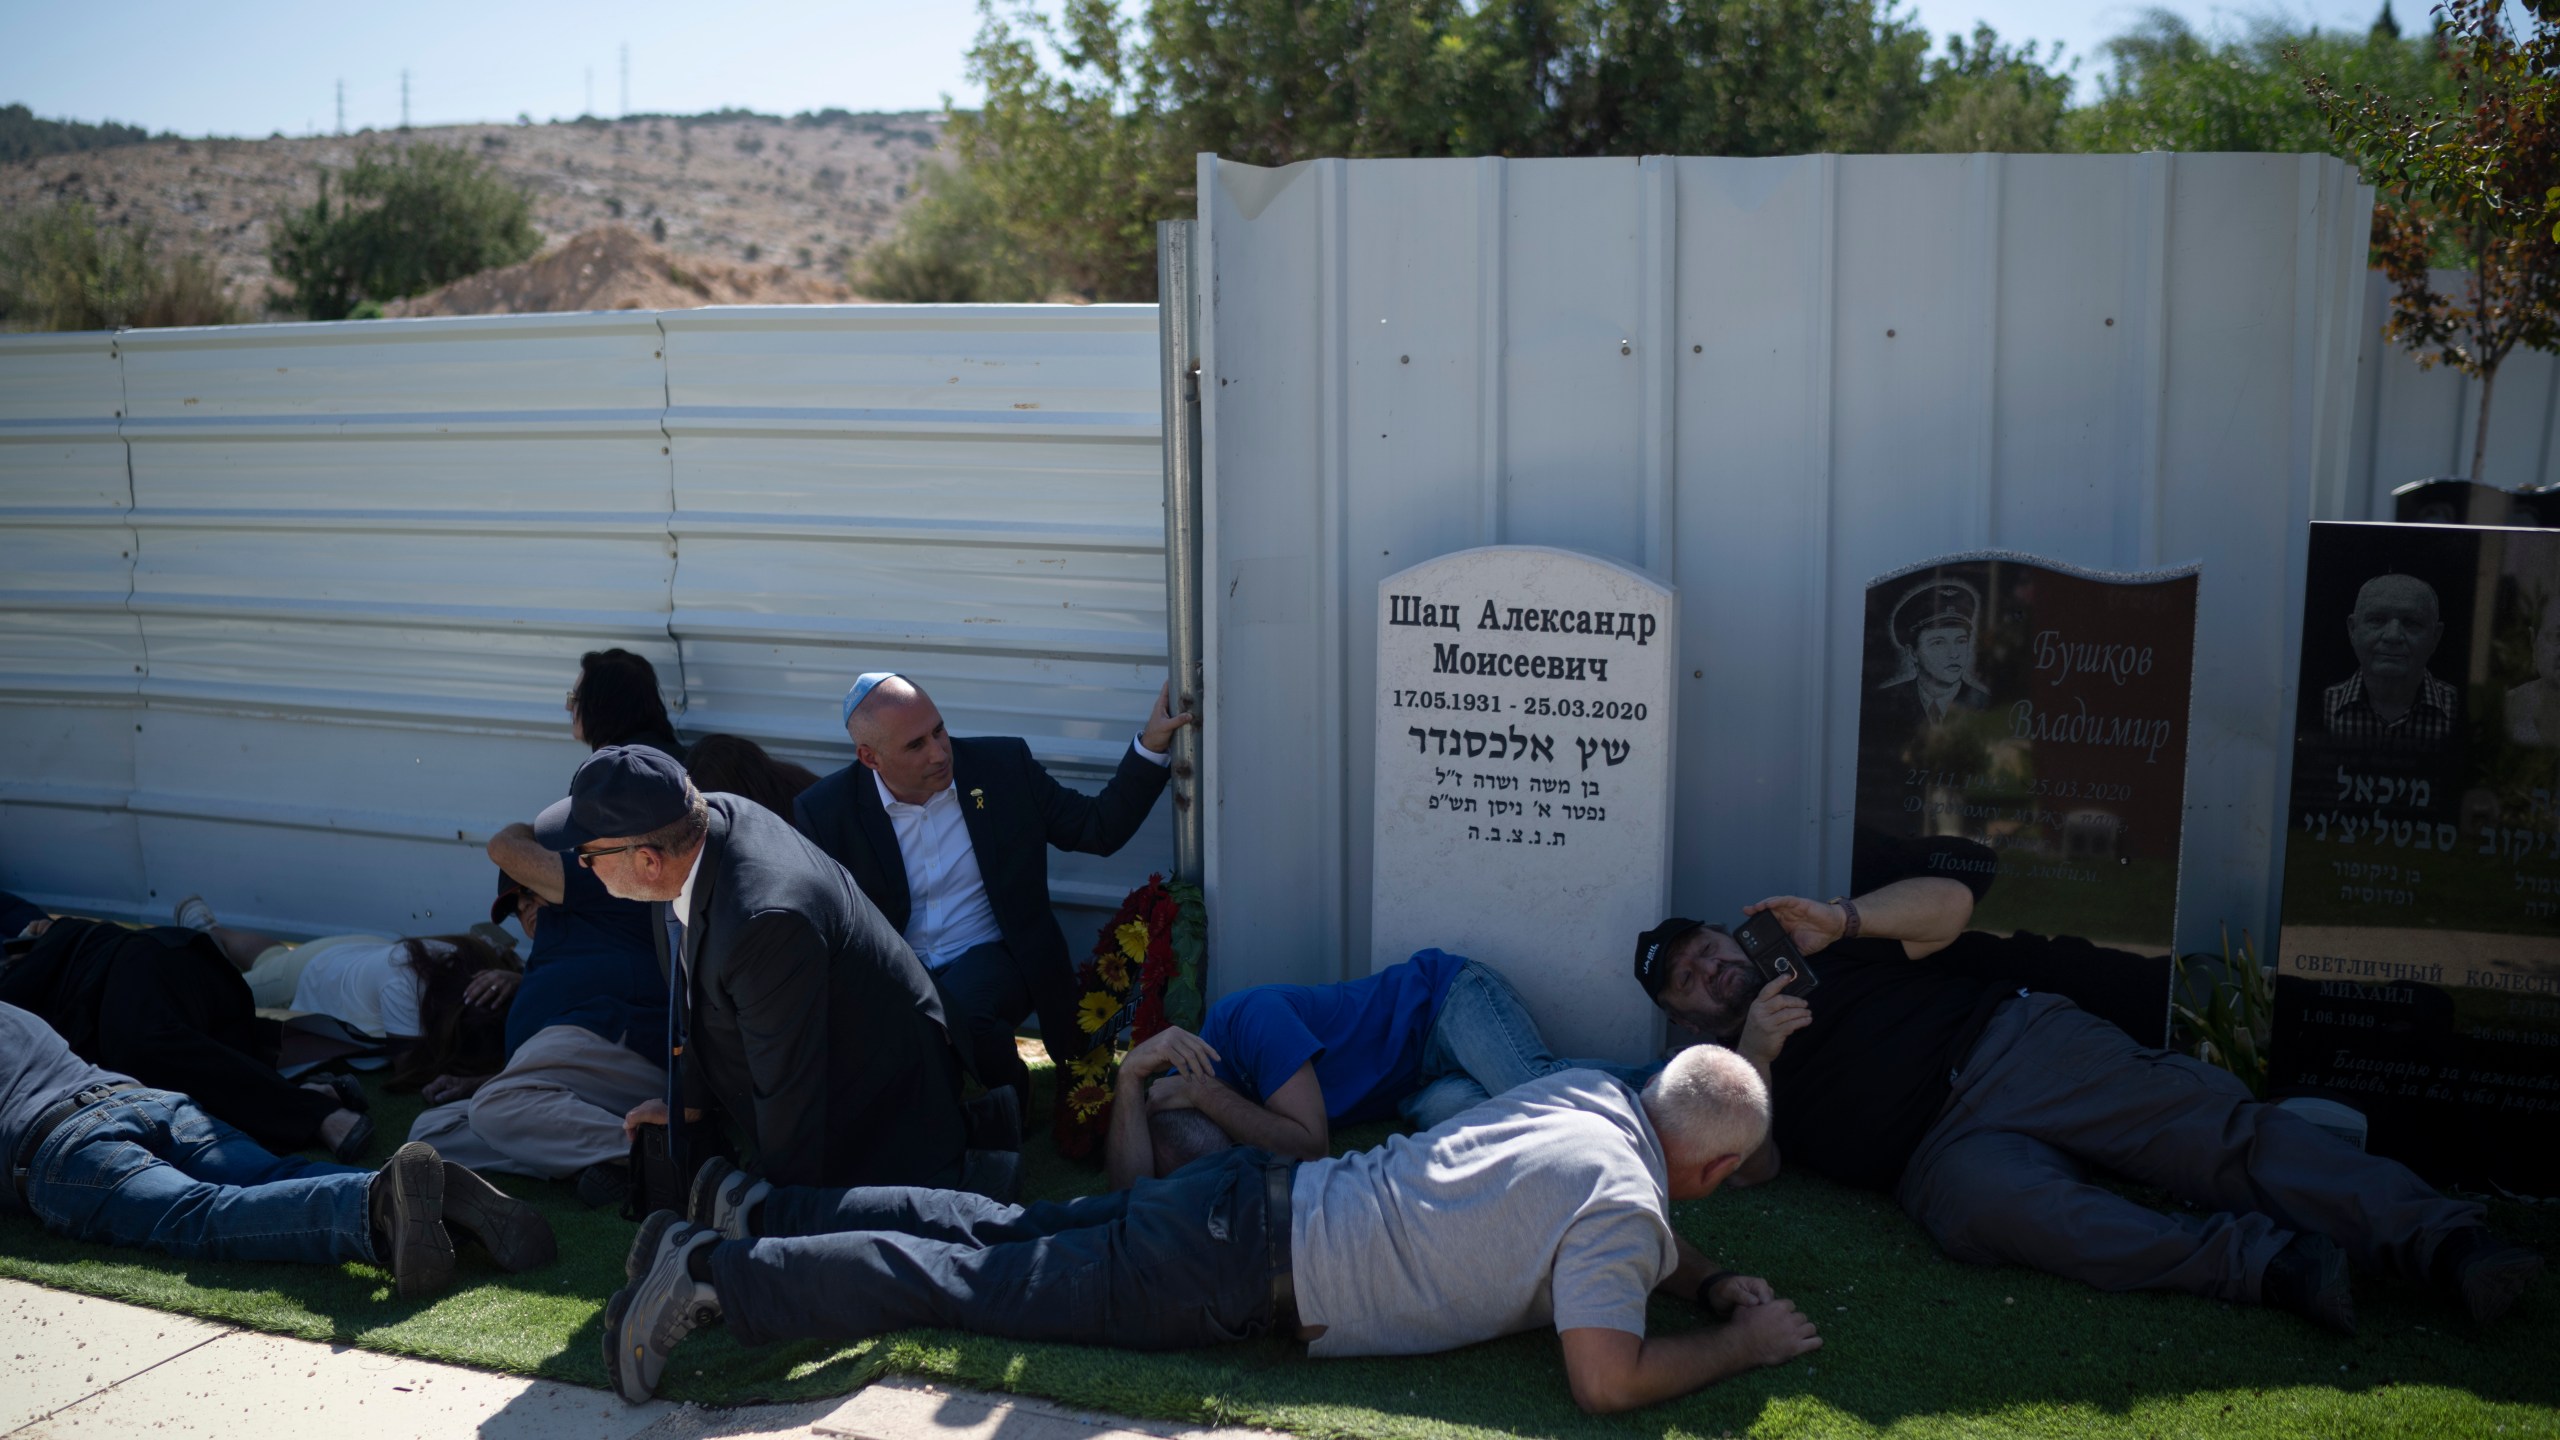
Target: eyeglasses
572	698
589	858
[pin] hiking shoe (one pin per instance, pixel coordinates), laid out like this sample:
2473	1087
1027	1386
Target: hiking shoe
406	1205
194	914
606	1182
2309	1277
722	1197
662	1304
514	1233
2482	1271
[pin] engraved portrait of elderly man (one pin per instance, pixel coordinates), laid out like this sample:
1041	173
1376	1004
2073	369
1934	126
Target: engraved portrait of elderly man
2392	699
1933	627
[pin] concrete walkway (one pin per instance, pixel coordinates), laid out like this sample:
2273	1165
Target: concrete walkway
77	1366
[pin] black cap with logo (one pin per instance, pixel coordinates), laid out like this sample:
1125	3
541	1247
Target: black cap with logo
1653	953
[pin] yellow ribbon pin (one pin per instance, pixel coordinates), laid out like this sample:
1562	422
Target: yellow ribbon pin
980	796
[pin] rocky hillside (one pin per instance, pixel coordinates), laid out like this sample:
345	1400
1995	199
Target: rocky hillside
805	194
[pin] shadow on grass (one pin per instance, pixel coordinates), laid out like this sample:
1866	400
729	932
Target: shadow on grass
1916	1344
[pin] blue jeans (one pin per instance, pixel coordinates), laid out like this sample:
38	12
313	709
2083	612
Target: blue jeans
146	1167
1484	1043
1166	1264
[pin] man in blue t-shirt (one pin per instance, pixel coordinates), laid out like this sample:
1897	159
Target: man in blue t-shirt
1277	1066
586	1034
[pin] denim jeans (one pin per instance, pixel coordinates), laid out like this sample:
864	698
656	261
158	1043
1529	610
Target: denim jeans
147	1168
1167	1264
1484	1043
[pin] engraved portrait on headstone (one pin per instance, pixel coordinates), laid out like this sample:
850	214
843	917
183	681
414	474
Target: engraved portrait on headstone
1523	783
2418	966
2040	710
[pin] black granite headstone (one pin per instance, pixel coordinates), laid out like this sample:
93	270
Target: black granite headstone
2418	968
2468	502
2040	710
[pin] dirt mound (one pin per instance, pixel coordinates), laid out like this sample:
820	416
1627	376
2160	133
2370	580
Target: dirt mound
611	268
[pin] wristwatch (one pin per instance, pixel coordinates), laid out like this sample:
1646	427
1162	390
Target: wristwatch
1849	916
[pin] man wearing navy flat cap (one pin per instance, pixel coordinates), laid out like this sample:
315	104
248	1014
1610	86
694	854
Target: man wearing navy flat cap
950	838
802	1017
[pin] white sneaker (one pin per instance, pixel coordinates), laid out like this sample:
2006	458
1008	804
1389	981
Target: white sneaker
194	914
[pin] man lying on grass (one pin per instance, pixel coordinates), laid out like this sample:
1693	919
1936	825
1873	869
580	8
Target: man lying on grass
1548	1204
1277	1066
98	1157
1982	1108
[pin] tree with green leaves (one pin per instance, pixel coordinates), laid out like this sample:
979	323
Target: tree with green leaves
1986	96
2174	89
2466	176
62	268
403	222
1093	116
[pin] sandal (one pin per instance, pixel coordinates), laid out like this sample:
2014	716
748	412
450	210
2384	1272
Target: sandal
359	1138
348	1089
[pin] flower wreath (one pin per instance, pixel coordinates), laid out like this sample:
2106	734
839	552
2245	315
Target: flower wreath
1144	975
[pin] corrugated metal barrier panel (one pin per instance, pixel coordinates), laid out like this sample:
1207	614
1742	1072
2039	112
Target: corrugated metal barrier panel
2414	424
291	610
1766	381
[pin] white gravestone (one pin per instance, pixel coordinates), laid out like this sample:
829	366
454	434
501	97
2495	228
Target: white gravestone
1523	796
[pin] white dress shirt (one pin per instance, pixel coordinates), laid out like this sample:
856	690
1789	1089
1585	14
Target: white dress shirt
948	911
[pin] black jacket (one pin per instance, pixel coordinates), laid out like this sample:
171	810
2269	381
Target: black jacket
814	1031
1015	811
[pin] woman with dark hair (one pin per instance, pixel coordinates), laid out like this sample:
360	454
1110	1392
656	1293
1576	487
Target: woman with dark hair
616	702
734	765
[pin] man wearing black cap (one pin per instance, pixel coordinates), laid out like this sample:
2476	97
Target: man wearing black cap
800	1015
1983	1108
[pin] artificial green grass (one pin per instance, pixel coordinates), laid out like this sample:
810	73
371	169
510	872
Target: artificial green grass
1916	1345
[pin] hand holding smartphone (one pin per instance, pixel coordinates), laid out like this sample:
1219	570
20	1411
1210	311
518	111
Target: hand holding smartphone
1764	943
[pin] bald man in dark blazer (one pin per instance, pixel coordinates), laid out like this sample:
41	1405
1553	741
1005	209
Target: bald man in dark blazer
950	839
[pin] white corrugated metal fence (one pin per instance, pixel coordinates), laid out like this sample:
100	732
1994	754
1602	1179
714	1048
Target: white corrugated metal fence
287	613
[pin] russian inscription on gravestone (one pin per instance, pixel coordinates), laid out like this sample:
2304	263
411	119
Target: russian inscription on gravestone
2040	710
2418	968
1523	798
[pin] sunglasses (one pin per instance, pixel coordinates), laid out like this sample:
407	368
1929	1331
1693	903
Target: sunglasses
589	858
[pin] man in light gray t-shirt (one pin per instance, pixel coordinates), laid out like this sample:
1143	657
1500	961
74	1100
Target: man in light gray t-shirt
1546	1205
1564	1171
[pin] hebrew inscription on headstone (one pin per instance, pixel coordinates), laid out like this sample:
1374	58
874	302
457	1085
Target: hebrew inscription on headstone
1523	801
2040	710
2418	968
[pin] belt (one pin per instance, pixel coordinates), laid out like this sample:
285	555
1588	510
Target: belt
51	1120
1279	1178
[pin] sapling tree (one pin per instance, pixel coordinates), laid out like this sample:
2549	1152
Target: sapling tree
2467	181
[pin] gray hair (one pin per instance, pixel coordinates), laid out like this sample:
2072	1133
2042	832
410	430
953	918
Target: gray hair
1708	1102
1182	1136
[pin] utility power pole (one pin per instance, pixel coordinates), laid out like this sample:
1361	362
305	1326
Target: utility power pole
626	81
342	107
591	92
404	99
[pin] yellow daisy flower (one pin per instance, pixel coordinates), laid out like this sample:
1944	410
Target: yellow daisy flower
1133	939
1096	1012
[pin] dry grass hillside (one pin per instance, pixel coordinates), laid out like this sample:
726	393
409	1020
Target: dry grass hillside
611	268
753	192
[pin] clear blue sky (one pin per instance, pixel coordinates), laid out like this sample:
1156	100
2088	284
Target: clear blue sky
273	65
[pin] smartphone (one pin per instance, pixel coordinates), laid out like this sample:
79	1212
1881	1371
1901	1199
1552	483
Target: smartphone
1764	943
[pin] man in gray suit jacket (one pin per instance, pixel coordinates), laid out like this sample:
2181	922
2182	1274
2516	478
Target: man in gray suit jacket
801	1017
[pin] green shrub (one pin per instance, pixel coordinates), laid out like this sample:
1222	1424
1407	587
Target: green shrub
949	247
404	223
62	269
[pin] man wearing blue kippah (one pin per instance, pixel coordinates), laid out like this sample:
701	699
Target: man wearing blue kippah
950	838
